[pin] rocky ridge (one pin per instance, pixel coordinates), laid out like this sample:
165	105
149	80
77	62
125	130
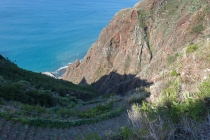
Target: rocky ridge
137	46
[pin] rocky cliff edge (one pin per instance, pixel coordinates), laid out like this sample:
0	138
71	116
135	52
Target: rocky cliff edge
141	46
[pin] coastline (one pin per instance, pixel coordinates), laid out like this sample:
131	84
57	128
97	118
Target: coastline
58	74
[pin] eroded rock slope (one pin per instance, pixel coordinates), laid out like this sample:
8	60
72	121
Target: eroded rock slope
137	45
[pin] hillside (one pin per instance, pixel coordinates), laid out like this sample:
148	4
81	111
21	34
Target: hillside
33	105
146	77
134	49
22	85
164	47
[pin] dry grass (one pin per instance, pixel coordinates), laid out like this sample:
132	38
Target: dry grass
192	130
204	53
161	128
158	128
137	97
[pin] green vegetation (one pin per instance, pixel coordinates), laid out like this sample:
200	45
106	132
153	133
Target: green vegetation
196	5
198	29
203	54
64	123
126	133
92	102
172	6
173	115
142	19
32	97
39	100
171	58
96	111
90	136
174	73
192	48
37	89
204	93
191	107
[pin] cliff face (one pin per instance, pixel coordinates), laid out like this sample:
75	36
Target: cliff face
138	44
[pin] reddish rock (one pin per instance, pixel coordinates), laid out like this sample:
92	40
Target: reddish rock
130	52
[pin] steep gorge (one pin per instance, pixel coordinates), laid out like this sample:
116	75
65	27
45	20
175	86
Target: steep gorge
137	46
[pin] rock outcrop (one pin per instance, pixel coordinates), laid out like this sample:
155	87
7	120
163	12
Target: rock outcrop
136	46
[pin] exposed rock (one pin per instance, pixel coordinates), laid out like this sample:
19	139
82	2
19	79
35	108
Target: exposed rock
133	49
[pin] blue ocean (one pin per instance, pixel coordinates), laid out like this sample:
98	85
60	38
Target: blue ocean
44	35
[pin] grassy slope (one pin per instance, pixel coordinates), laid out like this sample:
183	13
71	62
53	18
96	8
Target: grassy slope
179	105
28	87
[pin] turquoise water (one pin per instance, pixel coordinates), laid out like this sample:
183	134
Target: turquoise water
44	35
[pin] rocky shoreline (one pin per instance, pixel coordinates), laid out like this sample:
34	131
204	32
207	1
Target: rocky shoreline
57	74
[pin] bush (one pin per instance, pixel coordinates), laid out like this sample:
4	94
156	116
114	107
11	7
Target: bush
96	111
13	92
146	127
34	109
192	108
68	123
171	59
126	133
28	80
65	112
170	94
204	89
198	29
152	120
17	92
174	73
192	48
161	127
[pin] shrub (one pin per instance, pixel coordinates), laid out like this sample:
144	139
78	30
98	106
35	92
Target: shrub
161	127
192	108
192	48
174	73
204	89
146	127
192	130
170	94
126	133
171	59
34	109
173	118
96	111
69	123
65	112
13	92
198	29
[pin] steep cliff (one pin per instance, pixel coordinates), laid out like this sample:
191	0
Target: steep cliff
141	45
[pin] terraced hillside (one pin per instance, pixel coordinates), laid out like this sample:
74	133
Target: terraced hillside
35	106
10	130
87	124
